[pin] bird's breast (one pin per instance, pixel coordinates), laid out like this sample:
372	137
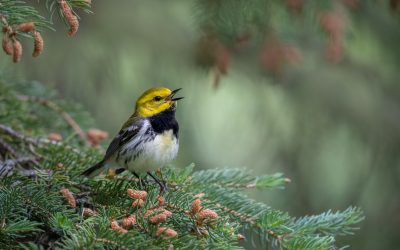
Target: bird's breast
166	144
157	152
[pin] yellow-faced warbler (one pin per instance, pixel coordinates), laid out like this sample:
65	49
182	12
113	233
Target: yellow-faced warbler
148	139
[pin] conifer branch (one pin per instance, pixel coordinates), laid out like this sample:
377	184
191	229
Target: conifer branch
20	19
57	208
7	148
52	105
15	134
239	178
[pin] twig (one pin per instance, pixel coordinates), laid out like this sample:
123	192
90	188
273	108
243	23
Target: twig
12	151
3	20
60	144
7	165
82	187
8	148
31	142
32	150
52	105
17	135
34	142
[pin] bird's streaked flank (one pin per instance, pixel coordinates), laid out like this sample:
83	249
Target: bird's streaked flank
148	139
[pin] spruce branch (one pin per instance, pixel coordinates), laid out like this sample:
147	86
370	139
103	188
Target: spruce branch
238	178
55	207
35	143
20	19
16	135
7	166
6	148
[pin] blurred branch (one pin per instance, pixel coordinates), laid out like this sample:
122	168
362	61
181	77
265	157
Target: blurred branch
52	105
34	142
7	166
8	148
17	135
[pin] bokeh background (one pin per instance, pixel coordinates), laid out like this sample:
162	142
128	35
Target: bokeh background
327	117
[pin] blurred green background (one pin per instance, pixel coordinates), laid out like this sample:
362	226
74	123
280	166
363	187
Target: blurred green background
333	129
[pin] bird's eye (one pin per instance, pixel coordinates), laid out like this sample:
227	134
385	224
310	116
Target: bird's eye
157	98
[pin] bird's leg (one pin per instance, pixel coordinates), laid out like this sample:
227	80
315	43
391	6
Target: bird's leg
159	173
163	188
142	183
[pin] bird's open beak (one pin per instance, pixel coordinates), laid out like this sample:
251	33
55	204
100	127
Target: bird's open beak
171	96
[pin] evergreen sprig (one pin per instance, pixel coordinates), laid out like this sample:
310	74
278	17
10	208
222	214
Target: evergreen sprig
16	12
203	209
21	19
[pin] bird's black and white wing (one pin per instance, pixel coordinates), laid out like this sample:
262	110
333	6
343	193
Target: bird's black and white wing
126	134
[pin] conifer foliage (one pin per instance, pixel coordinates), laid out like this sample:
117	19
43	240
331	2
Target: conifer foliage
19	19
272	30
46	203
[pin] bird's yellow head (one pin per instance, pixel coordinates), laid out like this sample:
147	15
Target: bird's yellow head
156	100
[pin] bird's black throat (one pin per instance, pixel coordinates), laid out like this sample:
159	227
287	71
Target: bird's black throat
165	121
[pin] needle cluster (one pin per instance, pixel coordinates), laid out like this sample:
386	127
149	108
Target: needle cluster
20	19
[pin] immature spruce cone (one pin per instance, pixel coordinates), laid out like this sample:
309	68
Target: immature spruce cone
161	200
199	195
87	212
54	137
26	27
206	214
116	227
17	54
196	206
95	136
158	219
8	45
138	203
240	237
38	44
129	221
71	19
166	232
69	197
137	194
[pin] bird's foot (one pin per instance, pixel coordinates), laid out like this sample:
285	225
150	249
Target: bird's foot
161	184
162	180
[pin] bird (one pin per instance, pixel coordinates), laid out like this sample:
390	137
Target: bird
148	140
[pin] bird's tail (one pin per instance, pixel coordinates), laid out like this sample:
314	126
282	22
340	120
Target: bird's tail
95	169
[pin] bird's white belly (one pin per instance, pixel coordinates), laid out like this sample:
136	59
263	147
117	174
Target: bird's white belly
156	153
